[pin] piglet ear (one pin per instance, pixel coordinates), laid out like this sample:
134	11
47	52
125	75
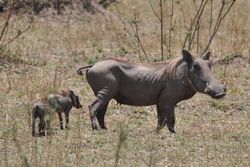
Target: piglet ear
71	92
187	57
206	55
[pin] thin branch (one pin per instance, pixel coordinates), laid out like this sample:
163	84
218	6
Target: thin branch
17	35
162	33
192	24
198	38
197	24
6	24
139	41
140	156
151	5
220	18
137	35
170	29
137	38
211	18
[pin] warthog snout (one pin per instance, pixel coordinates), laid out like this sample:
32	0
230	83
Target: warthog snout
76	102
215	90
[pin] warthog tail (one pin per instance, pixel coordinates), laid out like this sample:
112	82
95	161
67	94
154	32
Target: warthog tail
79	70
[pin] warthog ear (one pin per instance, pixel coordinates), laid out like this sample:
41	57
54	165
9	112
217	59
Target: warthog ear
187	57
206	55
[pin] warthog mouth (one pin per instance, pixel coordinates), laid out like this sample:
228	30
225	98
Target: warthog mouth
216	94
79	106
219	95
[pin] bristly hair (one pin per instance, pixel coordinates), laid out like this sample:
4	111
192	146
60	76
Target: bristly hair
162	71
171	67
166	69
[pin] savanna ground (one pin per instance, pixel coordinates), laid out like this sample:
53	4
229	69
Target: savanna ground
44	59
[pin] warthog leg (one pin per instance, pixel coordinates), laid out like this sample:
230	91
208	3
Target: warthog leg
33	127
41	127
98	108
100	117
165	114
161	115
96	113
60	120
170	119
67	119
92	116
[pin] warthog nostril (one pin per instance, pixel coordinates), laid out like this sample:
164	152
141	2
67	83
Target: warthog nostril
208	89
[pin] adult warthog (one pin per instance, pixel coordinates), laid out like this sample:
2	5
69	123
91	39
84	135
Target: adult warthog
163	84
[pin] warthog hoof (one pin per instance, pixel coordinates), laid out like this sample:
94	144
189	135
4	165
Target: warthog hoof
94	126
171	129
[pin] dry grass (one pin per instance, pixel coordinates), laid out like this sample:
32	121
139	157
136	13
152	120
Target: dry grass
209	132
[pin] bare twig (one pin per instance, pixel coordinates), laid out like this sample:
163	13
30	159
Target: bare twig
138	39
156	14
160	18
162	33
170	29
136	15
6	24
121	141
220	18
198	38
189	32
211	18
140	156
197	24
17	35
135	32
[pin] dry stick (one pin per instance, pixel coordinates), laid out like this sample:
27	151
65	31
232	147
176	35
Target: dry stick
197	24
195	5
122	139
211	19
137	36
161	13
170	29
6	24
139	40
5	149
183	17
198	38
198	32
17	35
218	22
134	32
192	24
140	156
18	145
158	17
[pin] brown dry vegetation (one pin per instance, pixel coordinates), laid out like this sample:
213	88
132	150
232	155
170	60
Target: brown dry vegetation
44	59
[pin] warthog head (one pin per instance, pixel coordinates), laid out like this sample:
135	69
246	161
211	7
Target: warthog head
201	77
75	100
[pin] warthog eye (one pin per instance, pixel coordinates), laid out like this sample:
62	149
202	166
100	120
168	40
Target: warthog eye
196	66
